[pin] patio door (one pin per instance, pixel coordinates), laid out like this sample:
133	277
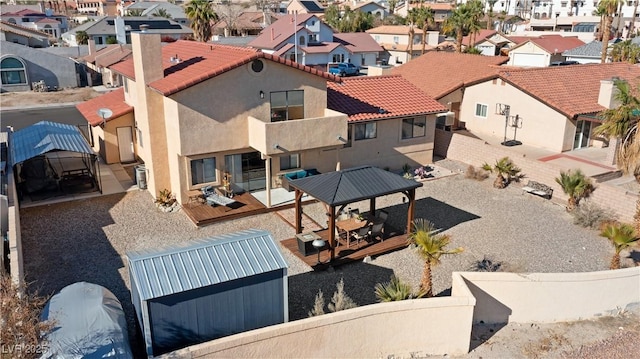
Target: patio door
247	170
583	129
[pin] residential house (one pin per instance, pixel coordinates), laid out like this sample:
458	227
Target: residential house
394	39
119	28
149	8
371	7
446	75
554	108
47	21
206	112
542	51
305	7
489	42
586	54
441	10
21	66
247	23
97	7
314	43
98	63
24	36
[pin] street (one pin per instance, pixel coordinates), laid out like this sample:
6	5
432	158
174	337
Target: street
20	119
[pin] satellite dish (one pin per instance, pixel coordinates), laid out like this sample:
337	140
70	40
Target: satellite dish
105	113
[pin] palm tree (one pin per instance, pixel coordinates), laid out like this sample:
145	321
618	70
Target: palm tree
430	247
392	6
82	38
162	13
600	12
622	236
490	14
201	14
609	8
623	123
476	12
625	51
425	18
575	185
412	19
633	19
395	290
134	12
457	22
506	171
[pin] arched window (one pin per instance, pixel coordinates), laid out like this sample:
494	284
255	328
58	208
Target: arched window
302	40
13	71
12	20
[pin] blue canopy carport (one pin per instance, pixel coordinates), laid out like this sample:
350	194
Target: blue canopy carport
52	156
341	188
207	289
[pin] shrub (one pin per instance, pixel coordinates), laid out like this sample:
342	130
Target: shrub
318	305
340	300
575	185
395	290
20	318
487	265
476	174
506	172
165	198
590	215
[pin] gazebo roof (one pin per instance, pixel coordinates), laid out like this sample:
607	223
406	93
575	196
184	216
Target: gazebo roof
353	185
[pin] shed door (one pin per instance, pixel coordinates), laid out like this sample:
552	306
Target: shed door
125	144
533	60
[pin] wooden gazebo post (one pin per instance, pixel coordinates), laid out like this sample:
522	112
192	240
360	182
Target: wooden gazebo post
411	194
298	196
372	207
332	232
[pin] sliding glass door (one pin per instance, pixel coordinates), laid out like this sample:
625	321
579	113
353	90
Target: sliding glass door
247	170
583	129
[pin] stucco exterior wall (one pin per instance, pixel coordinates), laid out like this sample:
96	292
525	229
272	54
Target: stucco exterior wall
528	48
13	231
110	137
552	297
475	152
54	70
542	126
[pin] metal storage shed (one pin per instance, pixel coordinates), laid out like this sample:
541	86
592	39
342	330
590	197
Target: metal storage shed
208	289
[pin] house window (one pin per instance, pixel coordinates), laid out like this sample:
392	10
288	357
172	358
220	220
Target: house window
13	71
348	144
287	105
338	58
288	162
365	131
563	4
302	39
203	170
481	110
396	39
413	127
377	38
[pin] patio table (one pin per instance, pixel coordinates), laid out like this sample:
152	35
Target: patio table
349	225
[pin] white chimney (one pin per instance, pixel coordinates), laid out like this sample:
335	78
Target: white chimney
92	46
607	94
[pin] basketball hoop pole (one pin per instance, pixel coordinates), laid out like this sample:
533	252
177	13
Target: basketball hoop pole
506	125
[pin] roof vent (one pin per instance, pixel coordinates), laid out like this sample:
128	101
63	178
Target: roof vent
175	59
144	28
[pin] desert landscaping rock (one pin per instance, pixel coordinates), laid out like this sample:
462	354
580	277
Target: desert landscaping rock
87	240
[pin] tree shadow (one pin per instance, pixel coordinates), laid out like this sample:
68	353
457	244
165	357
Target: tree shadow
634	255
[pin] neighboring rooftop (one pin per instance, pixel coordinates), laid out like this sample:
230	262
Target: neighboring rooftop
478	37
357	42
312	6
558	86
106	25
393	30
379	97
591	50
439	73
554	43
23	31
281	30
109	55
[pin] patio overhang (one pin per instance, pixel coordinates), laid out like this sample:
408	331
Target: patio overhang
337	189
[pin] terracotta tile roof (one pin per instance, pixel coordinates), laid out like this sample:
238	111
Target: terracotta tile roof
48	21
202	61
109	55
393	30
480	36
571	90
113	100
319	48
554	43
359	5
247	20
357	42
283	50
438	73
434	6
518	39
379	97
405	47
273	36
22	31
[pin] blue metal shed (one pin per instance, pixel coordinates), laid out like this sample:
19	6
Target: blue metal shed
208	289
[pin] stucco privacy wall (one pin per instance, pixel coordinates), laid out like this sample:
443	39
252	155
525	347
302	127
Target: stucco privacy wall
476	152
552	297
15	240
372	331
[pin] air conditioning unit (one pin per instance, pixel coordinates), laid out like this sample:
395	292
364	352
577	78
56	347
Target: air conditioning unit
449	118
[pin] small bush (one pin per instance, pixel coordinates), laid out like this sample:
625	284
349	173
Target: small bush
590	215
395	290
165	198
487	265
476	174
318	305
340	300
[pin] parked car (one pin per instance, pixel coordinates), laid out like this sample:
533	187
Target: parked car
344	69
564	63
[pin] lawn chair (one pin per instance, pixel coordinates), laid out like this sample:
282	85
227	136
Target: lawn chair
382	215
362	233
377	231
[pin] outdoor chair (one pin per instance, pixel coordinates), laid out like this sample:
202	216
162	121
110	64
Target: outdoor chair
382	215
377	231
362	234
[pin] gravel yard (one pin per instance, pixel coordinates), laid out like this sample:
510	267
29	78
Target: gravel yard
87	240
